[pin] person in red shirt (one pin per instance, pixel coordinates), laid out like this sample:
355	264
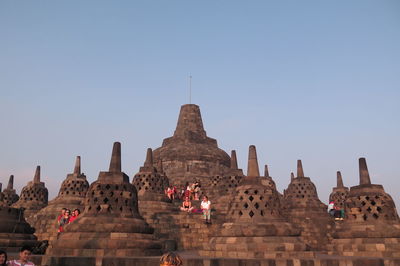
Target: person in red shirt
75	215
62	214
64	221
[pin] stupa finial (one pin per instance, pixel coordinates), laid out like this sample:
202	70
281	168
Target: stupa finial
266	172
300	172
364	174
149	158
77	168
36	178
234	164
339	179
115	163
252	165
10	182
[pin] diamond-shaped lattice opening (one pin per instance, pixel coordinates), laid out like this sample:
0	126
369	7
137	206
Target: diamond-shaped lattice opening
376	216
261	197
363	203
105	200
246	192
241	198
256	205
240	213
251	198
262	213
98	208
379	209
369	209
373	202
251	213
246	205
108	186
256	192
365	217
367	198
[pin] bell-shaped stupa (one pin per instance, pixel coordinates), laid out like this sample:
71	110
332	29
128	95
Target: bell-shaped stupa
255	226
110	225
371	226
149	183
70	196
34	196
339	193
302	206
15	232
10	196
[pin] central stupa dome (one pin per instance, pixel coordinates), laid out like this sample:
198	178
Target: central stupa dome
189	153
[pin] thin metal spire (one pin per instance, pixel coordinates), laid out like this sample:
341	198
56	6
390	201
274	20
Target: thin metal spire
190	89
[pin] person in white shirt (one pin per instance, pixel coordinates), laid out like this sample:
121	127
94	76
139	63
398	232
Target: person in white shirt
206	208
24	256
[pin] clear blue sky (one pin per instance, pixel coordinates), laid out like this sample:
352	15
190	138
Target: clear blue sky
311	80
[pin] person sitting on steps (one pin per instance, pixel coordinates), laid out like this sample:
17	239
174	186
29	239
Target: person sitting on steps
335	211
186	205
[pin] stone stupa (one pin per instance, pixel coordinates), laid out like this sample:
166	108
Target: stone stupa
302	206
10	196
371	226
34	196
71	196
255	226
149	183
110	225
339	193
190	154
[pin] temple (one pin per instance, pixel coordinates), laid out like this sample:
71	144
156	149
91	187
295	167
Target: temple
131	221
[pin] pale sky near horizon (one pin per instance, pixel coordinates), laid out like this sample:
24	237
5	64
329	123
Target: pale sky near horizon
311	80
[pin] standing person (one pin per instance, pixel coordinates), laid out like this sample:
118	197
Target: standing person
3	258
24	255
64	220
171	259
206	208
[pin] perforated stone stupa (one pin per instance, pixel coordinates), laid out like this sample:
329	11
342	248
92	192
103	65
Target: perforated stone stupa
149	183
303	207
111	225
34	196
371	227
10	196
255	227
71	196
339	193
222	187
190	154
